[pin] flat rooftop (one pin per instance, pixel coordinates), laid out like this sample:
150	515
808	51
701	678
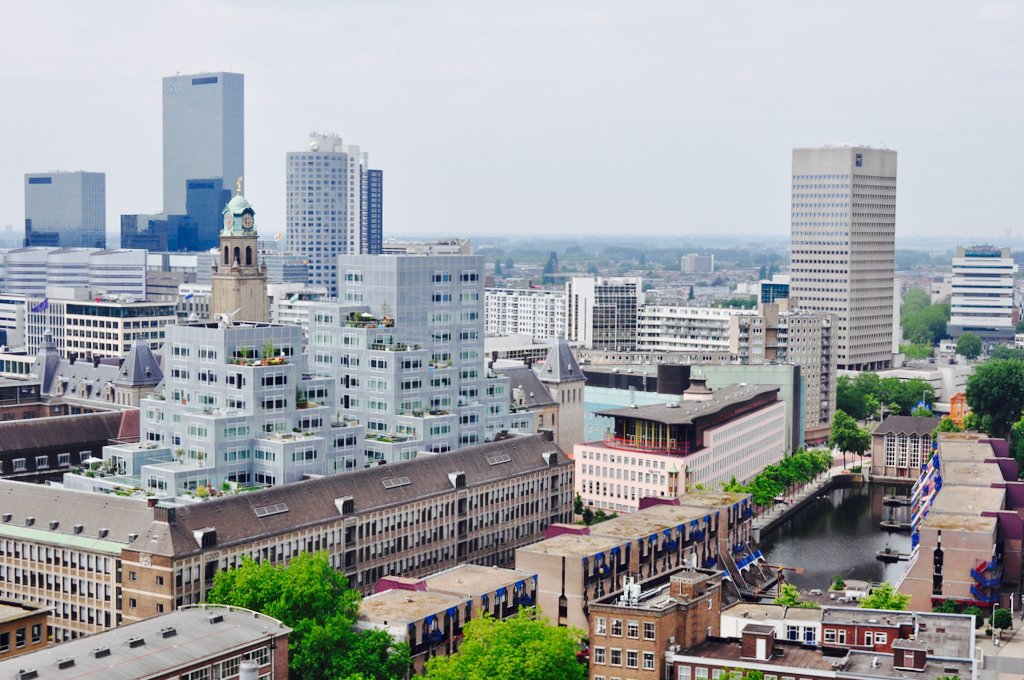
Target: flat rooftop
955	522
952	449
573	545
196	636
838	615
645	522
473	579
13	612
712	499
860	663
796	656
685	412
967	500
401	607
971	473
759	613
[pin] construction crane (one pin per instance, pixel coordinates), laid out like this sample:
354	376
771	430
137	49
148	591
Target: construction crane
779	578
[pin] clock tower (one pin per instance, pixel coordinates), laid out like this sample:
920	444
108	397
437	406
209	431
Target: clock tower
239	281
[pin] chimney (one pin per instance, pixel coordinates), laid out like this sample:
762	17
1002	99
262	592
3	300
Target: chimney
698	390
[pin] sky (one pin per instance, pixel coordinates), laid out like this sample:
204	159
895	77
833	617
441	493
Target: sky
540	118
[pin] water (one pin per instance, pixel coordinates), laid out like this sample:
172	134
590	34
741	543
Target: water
838	534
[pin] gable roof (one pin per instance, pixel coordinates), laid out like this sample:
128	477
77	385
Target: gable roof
907	425
530	389
71	431
560	365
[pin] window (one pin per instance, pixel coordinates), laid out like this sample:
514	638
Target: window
632	659
648	661
600	626
63	459
633	630
198	674
701	674
830	635
684	673
5	642
617	627
132	576
19	464
648	630
131	603
614	654
599	655
716	674
793	633
42	462
880	638
19	638
260	656
869	638
230	667
841	637
37	633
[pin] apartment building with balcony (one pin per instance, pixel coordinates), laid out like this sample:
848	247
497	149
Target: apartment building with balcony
235	409
965	525
533	312
99	560
670	328
982	295
707	437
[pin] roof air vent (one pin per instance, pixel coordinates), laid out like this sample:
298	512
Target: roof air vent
103	532
29	521
66	662
135	642
79	528
54	524
169	631
100	652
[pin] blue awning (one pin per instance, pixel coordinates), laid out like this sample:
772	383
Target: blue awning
667	533
653	538
501	592
599	557
451	612
615	550
520	584
694	523
430	620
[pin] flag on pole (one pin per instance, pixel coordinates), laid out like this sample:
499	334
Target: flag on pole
294	298
190	296
42	306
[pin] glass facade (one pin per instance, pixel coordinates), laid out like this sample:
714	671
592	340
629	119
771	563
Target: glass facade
203	133
66	209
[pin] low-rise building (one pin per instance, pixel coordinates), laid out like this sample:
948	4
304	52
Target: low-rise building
579	565
205	641
99	559
708	437
429	613
965	525
899	445
23	629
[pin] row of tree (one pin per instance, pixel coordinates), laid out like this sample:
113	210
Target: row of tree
863	397
775	480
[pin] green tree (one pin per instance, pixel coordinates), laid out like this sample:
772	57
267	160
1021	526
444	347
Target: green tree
916	352
577	505
851	398
946	424
921	412
1001	618
994	392
885	597
975	611
789	596
968	346
314	600
523	647
848	436
1017	444
947	607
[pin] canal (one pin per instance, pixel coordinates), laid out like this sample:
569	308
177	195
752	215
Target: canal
838	533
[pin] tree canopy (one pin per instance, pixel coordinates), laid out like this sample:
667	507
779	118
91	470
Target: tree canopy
789	596
968	346
994	392
922	322
523	647
848	436
315	601
863	396
886	597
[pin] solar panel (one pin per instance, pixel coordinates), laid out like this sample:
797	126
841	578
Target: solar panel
396	481
267	510
499	459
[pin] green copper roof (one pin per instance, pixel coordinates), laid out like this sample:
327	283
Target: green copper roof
64	540
238	204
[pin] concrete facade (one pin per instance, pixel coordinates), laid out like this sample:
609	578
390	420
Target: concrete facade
536	313
842	246
982	294
601	312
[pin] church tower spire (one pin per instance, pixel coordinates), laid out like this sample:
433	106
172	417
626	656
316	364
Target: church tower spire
239	284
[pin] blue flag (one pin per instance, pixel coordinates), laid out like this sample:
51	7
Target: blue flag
190	296
42	306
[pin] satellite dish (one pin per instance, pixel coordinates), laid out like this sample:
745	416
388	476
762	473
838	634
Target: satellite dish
314	146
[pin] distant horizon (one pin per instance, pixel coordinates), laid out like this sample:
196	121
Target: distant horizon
502	119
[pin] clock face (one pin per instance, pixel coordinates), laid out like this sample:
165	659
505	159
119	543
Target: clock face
228	219
247	221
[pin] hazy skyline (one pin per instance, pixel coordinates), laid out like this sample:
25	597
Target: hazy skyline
576	117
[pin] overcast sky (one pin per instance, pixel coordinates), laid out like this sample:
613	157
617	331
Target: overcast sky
539	117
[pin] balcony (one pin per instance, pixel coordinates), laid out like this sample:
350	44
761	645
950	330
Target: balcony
670	446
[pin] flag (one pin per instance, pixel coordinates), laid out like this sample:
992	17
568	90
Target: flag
42	306
294	298
278	236
190	296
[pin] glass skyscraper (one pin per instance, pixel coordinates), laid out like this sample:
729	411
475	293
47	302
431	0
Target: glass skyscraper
203	133
67	209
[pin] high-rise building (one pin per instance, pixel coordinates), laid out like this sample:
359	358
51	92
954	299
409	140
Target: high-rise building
333	206
695	263
204	202
601	312
534	312
842	248
373	217
982	293
67	209
203	133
